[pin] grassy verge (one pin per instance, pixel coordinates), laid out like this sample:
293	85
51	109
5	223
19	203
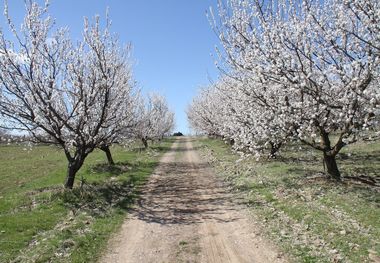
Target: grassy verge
41	222
309	217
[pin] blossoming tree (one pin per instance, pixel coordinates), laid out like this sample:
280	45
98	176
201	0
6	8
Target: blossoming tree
74	96
155	120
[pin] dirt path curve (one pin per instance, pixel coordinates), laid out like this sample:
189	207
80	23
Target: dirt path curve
186	215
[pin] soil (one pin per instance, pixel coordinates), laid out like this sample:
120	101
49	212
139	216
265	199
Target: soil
186	214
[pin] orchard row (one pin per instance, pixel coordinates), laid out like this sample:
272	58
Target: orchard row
294	70
79	96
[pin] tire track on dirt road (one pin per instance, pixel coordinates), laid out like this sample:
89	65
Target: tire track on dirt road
185	214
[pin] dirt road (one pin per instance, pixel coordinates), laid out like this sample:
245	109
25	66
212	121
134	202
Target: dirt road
186	215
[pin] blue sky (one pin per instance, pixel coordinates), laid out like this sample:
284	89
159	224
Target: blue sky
172	41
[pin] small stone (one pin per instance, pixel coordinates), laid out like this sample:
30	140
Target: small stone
374	257
337	258
371	251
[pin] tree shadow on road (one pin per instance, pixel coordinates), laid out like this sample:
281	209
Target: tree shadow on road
175	196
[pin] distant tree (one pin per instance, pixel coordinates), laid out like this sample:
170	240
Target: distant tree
76	97
228	109
178	134
155	119
204	112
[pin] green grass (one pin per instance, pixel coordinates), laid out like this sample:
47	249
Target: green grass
312	218
42	222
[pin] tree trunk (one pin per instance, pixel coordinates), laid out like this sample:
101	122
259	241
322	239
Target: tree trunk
329	155
332	167
274	147
72	169
106	149
145	142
